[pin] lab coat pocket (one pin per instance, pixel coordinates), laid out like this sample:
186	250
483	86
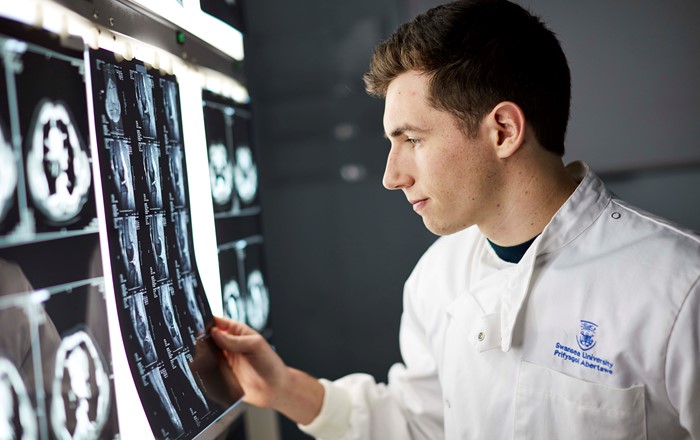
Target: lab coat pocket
552	405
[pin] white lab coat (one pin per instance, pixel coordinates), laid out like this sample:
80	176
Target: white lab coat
594	334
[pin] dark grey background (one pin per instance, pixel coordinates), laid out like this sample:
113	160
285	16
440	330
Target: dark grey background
339	246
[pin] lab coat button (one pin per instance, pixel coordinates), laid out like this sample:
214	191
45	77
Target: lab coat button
481	336
448	404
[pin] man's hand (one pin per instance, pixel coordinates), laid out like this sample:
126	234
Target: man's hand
266	381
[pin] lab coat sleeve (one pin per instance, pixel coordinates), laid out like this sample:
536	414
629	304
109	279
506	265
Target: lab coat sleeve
410	407
683	363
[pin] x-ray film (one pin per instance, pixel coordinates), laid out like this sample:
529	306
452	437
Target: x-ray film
163	312
55	358
233	174
55	364
245	294
233	170
45	166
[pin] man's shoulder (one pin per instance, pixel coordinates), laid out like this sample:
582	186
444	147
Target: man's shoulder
652	230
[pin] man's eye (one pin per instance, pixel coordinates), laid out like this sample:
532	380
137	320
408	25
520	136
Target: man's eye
413	141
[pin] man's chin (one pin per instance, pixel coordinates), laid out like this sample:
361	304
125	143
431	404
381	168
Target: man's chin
441	229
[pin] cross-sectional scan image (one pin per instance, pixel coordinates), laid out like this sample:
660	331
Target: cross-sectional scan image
221	174
257	297
58	166
140	322
8	174
189	284
169	317
175	428
143	83
245	174
177	174
184	368
122	174
171	105
233	171
81	394
46	182
130	253
158	246
258	301
17	416
111	98
234	303
183	242
151	166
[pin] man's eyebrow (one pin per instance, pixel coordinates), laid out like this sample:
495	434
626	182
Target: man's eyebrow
402	129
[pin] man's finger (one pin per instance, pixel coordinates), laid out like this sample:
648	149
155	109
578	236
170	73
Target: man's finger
235	343
231	326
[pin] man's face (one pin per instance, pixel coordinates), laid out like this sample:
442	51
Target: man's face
448	177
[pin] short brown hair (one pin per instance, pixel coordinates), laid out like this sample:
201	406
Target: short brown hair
479	53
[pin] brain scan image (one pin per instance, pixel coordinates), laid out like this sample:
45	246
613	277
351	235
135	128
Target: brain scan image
192	306
245	174
122	177
166	306
177	177
257	301
172	115
80	397
151	166
158	246
187	372
144	100
234	306
8	174
220	174
156	381
183	242
128	242
58	166
139	319
112	103
112	106
17	417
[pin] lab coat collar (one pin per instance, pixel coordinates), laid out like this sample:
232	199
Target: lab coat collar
579	212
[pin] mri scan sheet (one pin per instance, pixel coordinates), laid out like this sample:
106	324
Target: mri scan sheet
163	312
233	173
56	379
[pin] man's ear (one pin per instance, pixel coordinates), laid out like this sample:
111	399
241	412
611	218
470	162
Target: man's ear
506	125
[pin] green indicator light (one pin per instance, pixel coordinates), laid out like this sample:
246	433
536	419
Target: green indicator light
180	37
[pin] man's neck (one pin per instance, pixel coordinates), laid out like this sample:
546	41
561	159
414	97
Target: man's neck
536	186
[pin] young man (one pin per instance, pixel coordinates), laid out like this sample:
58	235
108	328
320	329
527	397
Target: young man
549	308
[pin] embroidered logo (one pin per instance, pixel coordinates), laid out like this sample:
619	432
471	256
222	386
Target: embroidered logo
586	337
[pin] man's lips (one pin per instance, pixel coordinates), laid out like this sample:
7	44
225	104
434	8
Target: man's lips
418	204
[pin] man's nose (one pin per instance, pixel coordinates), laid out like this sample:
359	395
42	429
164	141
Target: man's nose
396	174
